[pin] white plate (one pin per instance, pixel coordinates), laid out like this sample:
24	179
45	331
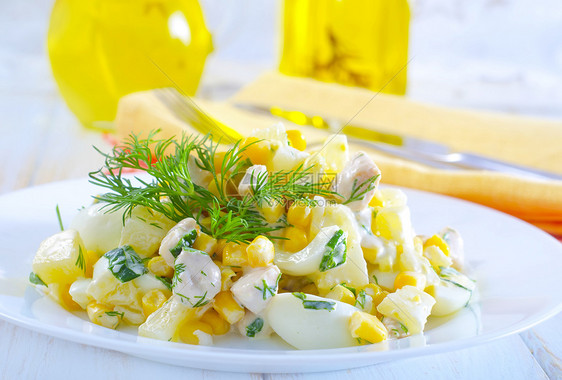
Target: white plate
516	266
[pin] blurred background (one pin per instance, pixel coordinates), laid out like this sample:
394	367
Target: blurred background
501	55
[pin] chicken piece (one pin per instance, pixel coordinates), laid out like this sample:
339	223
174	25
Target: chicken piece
197	279
354	179
252	178
255	289
173	237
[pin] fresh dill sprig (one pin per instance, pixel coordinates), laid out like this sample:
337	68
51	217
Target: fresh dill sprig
220	211
81	260
59	218
358	191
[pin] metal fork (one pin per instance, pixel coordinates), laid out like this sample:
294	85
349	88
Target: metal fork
187	110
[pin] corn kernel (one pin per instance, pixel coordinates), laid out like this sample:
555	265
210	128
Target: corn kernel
228	308
272	212
296	239
376	293
377	200
91	258
367	327
205	243
341	293
213	319
189	332
299	215
310	289
60	293
158	266
260	252
438	241
221	243
258	151
98	314
296	139
235	254
370	255
227	273
152	301
437	258
410	278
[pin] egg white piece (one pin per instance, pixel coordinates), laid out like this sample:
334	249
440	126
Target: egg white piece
309	329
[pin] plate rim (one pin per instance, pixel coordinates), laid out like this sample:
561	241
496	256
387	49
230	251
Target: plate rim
199	352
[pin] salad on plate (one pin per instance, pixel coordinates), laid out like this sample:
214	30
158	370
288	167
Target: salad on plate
193	238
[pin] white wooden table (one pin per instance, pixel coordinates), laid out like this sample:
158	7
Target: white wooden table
40	142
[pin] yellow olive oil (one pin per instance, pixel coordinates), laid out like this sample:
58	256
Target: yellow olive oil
101	50
352	42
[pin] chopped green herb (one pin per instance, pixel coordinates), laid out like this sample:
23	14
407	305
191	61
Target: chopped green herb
376	280
125	263
367	230
358	191
201	300
255	327
80	260
59	218
269	291
178	270
315	305
361	299
185	242
452	276
166	281
115	314
335	251
35	279
404	328
351	289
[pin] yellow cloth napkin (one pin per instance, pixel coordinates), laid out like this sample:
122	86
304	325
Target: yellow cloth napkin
525	141
528	141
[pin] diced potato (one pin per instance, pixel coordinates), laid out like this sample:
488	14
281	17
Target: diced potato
130	315
367	327
436	257
228	308
103	315
410	306
57	259
164	322
60	294
342	294
107	289
158	266
144	231
394	223
148	282
384	279
196	332
217	323
152	301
